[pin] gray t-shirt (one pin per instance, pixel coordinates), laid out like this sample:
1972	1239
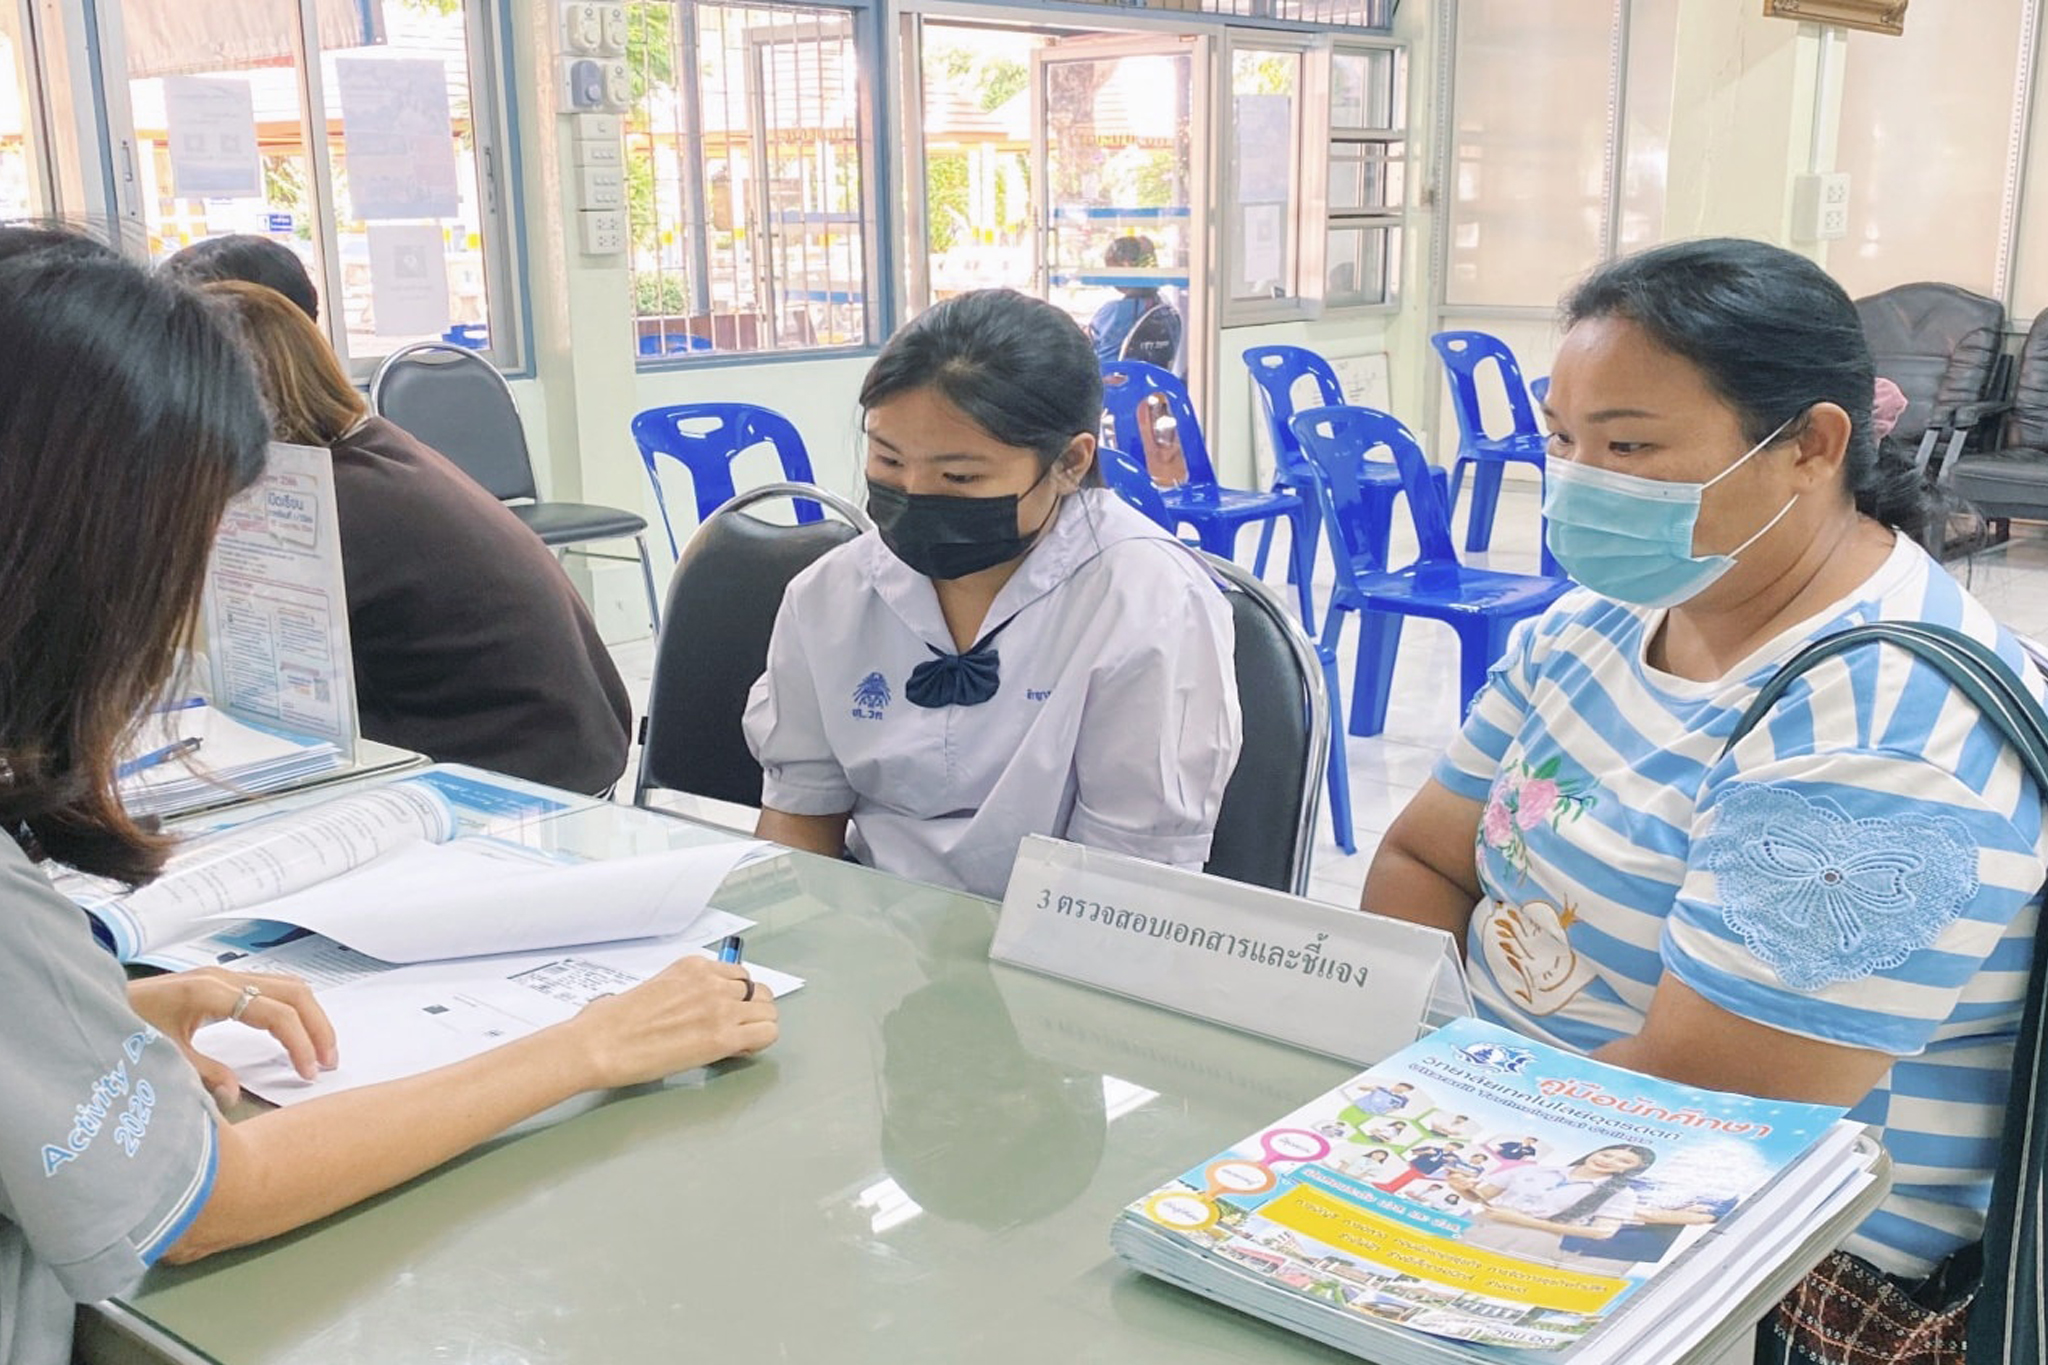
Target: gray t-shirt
106	1135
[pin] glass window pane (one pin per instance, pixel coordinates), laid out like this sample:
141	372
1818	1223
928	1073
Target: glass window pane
748	208
1646	126
1924	126
408	215
1528	209
1260	236
218	127
1362	90
1361	264
21	190
1366	177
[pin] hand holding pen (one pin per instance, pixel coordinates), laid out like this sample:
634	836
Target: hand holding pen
729	950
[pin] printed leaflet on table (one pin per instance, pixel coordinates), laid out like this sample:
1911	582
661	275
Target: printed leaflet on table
1481	1188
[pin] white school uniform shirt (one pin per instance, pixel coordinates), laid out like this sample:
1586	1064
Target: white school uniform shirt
1115	725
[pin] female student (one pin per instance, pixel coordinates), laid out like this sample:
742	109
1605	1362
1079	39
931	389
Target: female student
470	643
1529	1211
1012	651
1839	909
127	420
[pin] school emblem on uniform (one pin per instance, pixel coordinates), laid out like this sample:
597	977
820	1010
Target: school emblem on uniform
871	698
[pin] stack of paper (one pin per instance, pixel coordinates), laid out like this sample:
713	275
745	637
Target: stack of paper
1479	1197
230	758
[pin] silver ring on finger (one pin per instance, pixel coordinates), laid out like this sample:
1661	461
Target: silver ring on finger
249	993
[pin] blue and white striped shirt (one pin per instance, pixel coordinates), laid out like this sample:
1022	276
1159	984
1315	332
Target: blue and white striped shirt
1860	869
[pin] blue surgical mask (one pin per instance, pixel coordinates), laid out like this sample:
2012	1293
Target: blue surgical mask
1630	538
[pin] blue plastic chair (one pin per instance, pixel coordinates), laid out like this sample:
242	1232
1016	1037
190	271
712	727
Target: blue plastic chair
1463	353
1481	605
1278	370
705	437
1217	513
1128	478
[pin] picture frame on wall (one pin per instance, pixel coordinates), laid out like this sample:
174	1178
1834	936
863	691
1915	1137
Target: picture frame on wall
1872	16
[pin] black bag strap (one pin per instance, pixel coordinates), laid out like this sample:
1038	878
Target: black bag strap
2008	1321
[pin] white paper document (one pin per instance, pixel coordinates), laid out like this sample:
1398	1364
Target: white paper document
408	280
211	137
397	132
392	1022
276	609
425	902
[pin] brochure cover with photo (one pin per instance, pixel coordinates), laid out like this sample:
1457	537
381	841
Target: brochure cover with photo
1481	1187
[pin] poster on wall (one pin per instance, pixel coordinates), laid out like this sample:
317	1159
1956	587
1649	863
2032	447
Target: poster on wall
408	280
210	126
396	130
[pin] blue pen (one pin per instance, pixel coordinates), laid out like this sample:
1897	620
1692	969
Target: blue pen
188	704
157	757
731	948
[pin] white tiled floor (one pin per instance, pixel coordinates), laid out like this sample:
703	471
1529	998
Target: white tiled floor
1387	770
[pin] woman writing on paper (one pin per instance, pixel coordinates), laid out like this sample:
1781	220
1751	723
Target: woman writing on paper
1012	650
1840	908
127	420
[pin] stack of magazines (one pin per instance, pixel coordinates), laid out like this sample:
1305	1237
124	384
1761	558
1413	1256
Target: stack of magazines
1481	1197
191	754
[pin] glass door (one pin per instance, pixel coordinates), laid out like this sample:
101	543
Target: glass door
1119	171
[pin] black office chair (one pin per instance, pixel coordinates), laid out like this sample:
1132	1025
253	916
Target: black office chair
2011	482
456	401
1940	345
1266	828
722	602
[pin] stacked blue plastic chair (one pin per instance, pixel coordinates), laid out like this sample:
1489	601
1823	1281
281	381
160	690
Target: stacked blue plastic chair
1463	354
704	438
1278	370
1217	513
1480	605
1127	478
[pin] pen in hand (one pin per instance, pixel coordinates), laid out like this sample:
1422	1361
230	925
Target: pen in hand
157	757
730	949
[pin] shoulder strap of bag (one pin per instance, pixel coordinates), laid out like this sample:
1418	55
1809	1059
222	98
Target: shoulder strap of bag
2007	1321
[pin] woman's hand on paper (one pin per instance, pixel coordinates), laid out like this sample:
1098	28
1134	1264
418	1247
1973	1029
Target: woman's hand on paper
179	1004
693	1012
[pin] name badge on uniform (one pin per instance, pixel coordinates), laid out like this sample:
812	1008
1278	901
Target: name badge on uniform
1342	982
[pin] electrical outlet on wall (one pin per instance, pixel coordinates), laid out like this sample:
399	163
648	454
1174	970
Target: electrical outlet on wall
612	18
1820	207
582	84
601	187
604	231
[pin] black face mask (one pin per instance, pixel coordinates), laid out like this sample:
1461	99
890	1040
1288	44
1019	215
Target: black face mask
946	537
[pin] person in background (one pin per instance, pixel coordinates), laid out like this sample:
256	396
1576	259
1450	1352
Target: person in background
471	645
1011	650
244	256
1111	326
128	419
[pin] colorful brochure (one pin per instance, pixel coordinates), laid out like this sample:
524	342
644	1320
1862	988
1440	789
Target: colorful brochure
1483	1188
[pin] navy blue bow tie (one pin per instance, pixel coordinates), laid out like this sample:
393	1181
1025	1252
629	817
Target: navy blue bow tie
967	679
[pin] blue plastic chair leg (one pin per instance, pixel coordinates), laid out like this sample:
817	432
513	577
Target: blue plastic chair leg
1301	566
1218	538
1265	547
1372	683
1480	645
1376	524
1485	497
1457	483
1339	765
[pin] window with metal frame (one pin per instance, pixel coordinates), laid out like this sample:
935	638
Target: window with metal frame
748	153
1365	177
377	161
1261	242
23	178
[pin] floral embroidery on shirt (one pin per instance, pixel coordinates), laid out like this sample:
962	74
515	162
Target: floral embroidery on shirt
1824	898
1523	798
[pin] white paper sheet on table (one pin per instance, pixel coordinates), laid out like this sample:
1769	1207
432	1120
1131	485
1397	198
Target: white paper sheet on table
425	902
393	1022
